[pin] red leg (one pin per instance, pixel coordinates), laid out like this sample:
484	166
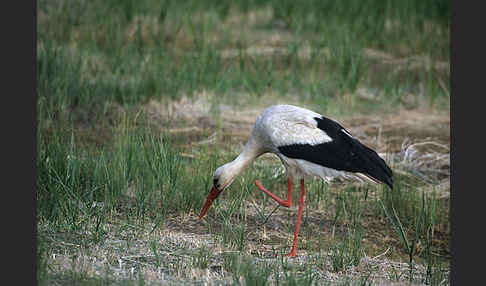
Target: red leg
293	252
286	203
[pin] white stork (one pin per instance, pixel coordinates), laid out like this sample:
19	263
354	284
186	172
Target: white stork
309	145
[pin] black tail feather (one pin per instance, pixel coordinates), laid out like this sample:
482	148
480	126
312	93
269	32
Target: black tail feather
374	166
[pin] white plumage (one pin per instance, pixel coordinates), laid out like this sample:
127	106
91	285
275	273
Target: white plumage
309	145
286	124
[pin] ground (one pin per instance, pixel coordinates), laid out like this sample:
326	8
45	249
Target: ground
183	250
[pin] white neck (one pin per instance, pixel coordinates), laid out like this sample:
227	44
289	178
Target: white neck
250	152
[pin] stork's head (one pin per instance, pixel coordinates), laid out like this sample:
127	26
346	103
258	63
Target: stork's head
222	178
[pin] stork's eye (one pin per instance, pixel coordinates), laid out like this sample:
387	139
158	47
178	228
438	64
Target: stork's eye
216	182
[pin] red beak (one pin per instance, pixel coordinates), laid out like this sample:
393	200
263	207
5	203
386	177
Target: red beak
213	194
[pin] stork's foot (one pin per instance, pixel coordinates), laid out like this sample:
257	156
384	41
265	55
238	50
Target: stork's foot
290	254
287	203
293	253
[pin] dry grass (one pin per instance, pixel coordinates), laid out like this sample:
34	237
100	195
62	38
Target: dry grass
392	132
128	254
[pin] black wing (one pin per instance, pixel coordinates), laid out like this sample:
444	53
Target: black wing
343	153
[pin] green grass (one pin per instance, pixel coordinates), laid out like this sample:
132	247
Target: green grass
101	52
107	171
141	170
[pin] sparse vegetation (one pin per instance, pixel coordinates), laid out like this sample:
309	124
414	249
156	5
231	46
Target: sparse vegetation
140	101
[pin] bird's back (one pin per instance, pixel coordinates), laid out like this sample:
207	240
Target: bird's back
286	124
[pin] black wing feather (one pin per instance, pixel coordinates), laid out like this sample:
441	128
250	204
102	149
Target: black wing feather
343	153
